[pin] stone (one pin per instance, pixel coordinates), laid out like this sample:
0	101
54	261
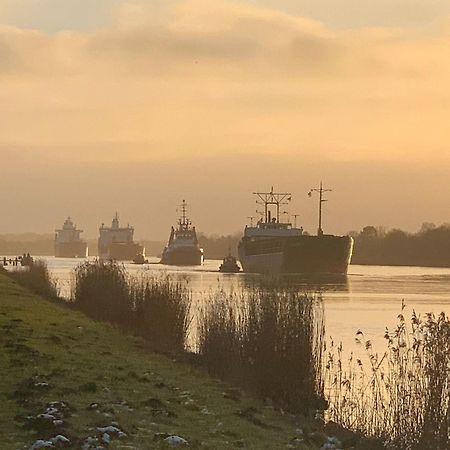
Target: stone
175	440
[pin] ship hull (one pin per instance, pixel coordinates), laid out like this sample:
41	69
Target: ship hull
308	255
182	256
121	251
71	250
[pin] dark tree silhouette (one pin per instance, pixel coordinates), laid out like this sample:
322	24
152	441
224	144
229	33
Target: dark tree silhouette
428	247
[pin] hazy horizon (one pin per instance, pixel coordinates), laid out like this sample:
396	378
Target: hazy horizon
132	106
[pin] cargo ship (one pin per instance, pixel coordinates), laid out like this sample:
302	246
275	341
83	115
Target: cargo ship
116	242
274	246
68	243
183	248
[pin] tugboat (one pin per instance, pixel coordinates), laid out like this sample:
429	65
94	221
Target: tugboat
116	242
273	246
68	243
183	248
229	264
140	259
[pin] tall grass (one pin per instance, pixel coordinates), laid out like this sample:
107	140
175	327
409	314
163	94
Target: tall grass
161	307
271	339
403	396
37	278
101	290
155	308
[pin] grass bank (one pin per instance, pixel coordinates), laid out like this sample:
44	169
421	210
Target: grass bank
101	377
268	339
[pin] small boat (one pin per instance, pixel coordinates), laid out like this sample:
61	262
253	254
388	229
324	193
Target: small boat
140	259
229	265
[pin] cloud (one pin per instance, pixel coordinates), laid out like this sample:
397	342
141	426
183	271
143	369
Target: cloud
57	15
209	76
196	95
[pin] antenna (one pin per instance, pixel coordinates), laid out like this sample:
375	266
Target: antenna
321	191
272	198
295	219
183	221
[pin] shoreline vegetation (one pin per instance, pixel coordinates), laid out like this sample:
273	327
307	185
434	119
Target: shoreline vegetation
401	396
268	338
63	374
269	341
429	247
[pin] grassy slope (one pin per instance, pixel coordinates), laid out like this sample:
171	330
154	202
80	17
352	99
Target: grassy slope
67	350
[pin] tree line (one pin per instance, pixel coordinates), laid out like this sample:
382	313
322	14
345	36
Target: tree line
429	247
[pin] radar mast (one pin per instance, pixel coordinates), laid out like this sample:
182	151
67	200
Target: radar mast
321	191
184	221
278	199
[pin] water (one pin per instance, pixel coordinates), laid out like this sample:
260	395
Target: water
369	299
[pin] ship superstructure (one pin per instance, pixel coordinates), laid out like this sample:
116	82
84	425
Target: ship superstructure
274	246
183	248
116	242
68	242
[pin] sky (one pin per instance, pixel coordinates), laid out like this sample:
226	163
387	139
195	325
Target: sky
133	105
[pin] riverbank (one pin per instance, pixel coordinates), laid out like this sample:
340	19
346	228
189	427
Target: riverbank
101	377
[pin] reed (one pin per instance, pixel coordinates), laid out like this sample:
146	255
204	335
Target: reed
269	338
37	278
101	290
161	307
155	308
402	396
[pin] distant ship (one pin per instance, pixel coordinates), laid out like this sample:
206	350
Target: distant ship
273	246
183	248
229	265
116	243
68	243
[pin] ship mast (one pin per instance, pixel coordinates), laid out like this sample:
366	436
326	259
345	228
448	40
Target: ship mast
184	221
272	198
321	191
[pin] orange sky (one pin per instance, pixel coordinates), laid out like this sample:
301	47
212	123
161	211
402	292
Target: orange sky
143	104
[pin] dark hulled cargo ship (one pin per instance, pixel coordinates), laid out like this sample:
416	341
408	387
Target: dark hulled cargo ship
116	242
183	248
273	246
68	243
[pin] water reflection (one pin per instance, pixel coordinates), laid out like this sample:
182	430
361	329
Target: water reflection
369	298
314	284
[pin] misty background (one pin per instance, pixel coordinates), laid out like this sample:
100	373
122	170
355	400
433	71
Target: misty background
133	106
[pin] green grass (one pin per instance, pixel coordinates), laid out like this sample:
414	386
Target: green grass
87	362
